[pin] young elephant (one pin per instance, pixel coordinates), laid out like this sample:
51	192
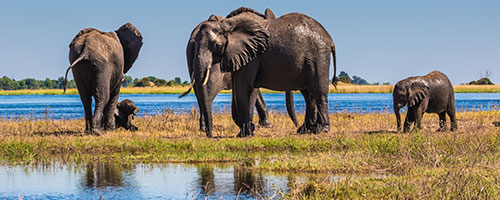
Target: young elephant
124	114
432	93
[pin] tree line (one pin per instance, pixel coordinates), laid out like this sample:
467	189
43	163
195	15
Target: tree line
7	83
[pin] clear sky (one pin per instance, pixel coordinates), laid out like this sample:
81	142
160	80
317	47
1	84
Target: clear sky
381	41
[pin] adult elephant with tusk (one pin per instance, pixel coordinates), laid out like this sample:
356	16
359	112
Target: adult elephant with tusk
288	53
98	61
432	93
214	81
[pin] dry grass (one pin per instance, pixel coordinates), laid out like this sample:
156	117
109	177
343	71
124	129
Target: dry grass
418	165
341	88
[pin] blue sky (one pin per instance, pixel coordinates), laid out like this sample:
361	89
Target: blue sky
381	41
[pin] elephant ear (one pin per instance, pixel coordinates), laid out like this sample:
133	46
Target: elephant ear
131	41
416	93
269	14
247	38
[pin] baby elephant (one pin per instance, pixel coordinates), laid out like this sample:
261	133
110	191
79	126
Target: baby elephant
124	114
432	93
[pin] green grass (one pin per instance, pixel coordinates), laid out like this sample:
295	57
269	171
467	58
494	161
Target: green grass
418	165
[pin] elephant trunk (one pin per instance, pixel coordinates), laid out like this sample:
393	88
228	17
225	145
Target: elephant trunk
201	70
205	107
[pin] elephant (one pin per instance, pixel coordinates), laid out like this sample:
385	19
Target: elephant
432	93
216	81
124	114
98	61
288	53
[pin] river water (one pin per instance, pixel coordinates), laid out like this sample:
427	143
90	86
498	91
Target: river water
69	106
108	180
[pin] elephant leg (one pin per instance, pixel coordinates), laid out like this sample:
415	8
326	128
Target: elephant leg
101	97
262	110
323	121
311	114
453	118
82	80
86	98
409	119
419	114
243	90
442	122
109	110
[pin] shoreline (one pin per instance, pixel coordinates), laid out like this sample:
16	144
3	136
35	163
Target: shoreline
341	89
356	144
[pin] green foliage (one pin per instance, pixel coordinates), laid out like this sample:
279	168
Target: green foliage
160	82
128	81
359	81
482	81
177	80
344	77
29	83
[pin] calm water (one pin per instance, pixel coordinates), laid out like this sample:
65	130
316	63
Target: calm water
103	180
69	106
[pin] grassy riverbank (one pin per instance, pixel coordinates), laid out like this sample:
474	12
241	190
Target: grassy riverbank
423	164
341	88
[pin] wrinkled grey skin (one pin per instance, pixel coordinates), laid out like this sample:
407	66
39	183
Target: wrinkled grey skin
218	81
124	114
432	93
98	61
288	53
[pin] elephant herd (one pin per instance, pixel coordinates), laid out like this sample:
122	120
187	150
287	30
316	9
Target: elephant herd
244	51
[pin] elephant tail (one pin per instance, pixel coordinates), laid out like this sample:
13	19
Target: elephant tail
190	87
290	107
334	79
67	70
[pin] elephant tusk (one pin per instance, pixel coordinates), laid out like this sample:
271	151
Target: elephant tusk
206	76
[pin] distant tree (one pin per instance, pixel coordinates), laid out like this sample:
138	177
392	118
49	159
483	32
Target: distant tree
177	80
171	83
344	77
358	80
386	83
151	78
128	81
185	83
482	81
144	82
160	82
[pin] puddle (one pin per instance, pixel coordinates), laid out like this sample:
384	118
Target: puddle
103	180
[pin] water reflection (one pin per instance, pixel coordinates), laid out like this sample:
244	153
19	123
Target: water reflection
109	180
104	174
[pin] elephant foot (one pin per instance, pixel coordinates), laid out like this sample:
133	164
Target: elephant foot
246	130
208	133
455	128
265	123
133	128
441	130
307	130
203	127
323	129
496	124
96	132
